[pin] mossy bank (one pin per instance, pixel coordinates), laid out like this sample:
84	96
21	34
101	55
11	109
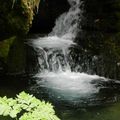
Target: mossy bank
16	18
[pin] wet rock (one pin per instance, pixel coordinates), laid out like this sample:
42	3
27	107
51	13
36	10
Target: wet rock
16	18
100	37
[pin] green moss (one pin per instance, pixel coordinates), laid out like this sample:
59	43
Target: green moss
16	16
5	47
17	57
15	20
112	46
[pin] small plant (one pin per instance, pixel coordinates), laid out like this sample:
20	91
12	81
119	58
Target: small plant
26	107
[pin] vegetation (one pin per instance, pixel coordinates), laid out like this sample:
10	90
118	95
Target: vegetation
16	17
26	107
5	47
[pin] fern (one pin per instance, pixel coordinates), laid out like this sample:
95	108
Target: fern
30	107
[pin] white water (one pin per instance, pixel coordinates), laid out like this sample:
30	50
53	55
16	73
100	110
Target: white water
69	85
54	42
55	67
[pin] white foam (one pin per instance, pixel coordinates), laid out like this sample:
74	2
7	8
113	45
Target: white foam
68	22
52	42
69	84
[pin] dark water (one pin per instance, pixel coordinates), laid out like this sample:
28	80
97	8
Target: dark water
104	105
111	112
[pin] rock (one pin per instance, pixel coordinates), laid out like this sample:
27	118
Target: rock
16	18
16	59
100	37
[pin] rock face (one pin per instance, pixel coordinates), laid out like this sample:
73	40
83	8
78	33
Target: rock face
16	18
100	37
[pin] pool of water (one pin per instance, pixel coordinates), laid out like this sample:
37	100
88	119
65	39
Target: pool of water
79	96
108	112
100	104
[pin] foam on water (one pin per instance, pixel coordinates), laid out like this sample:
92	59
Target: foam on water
54	42
71	82
75	88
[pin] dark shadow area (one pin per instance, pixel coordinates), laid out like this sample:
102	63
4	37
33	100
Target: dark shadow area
99	38
48	11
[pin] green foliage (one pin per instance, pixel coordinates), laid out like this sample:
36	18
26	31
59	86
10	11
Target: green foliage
27	107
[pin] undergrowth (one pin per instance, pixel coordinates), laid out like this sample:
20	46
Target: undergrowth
26	107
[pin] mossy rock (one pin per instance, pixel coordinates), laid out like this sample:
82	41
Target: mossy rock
5	47
12	55
16	16
16	60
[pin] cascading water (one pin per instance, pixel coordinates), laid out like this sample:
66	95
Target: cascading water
55	75
53	50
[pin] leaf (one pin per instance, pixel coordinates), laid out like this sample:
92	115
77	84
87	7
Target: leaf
13	114
6	111
33	107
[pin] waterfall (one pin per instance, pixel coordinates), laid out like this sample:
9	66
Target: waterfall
53	50
55	62
67	24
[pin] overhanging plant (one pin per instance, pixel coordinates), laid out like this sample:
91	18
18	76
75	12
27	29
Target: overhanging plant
26	107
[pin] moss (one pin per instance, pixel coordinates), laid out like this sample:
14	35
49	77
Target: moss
112	46
15	20
5	47
16	60
12	53
110	54
16	16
